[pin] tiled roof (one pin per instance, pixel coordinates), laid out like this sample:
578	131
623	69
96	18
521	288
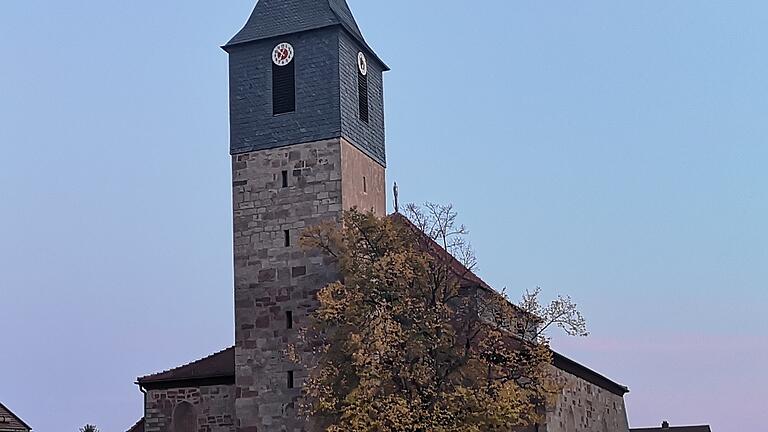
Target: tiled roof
674	429
468	277
10	422
220	365
567	365
138	427
560	361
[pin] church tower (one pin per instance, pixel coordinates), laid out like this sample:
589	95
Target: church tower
307	142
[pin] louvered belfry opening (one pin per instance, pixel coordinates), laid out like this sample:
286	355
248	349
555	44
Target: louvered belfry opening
283	88
362	95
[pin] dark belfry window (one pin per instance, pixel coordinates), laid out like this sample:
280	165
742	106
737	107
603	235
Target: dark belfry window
287	235
291	384
289	320
285	178
283	88
362	95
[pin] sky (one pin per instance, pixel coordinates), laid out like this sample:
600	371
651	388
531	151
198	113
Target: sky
614	151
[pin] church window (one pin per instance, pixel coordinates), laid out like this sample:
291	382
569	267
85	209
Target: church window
184	418
362	90
287	235
289	320
283	79
291	384
285	179
362	86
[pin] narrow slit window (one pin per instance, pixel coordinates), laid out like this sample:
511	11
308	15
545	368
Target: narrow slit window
283	88
287	235
362	95
285	179
290	381
289	320
365	185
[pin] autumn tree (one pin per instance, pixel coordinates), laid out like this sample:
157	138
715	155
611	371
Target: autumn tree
410	340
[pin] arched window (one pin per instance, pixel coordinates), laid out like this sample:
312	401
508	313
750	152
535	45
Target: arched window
362	86
283	79
184	418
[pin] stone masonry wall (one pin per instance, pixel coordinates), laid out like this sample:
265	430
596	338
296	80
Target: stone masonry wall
273	278
214	405
363	183
585	407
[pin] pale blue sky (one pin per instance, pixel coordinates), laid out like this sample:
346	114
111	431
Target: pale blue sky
612	150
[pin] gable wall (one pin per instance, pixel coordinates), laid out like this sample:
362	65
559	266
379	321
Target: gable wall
585	407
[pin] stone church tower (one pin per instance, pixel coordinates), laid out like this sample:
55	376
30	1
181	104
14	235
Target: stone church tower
307	142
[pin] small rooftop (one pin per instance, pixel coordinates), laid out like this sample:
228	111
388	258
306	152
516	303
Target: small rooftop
665	427
10	422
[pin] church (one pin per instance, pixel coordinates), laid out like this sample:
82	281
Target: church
307	142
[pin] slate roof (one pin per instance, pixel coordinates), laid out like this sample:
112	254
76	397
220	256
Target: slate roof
10	422
138	427
674	429
218	367
273	18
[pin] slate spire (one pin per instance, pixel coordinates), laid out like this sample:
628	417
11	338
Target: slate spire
272	18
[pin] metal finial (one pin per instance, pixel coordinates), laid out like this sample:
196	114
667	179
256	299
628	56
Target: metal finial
397	195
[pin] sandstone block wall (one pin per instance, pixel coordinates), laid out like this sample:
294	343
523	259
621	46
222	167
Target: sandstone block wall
585	407
214	406
276	281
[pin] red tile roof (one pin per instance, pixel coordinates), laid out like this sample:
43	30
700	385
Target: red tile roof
138	427
218	365
221	365
467	276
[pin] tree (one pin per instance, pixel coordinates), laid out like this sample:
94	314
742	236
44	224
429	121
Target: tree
410	340
89	428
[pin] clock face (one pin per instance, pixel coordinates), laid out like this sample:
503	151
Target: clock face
282	54
362	64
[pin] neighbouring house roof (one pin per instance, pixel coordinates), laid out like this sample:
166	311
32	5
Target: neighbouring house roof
218	368
674	429
138	427
10	422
